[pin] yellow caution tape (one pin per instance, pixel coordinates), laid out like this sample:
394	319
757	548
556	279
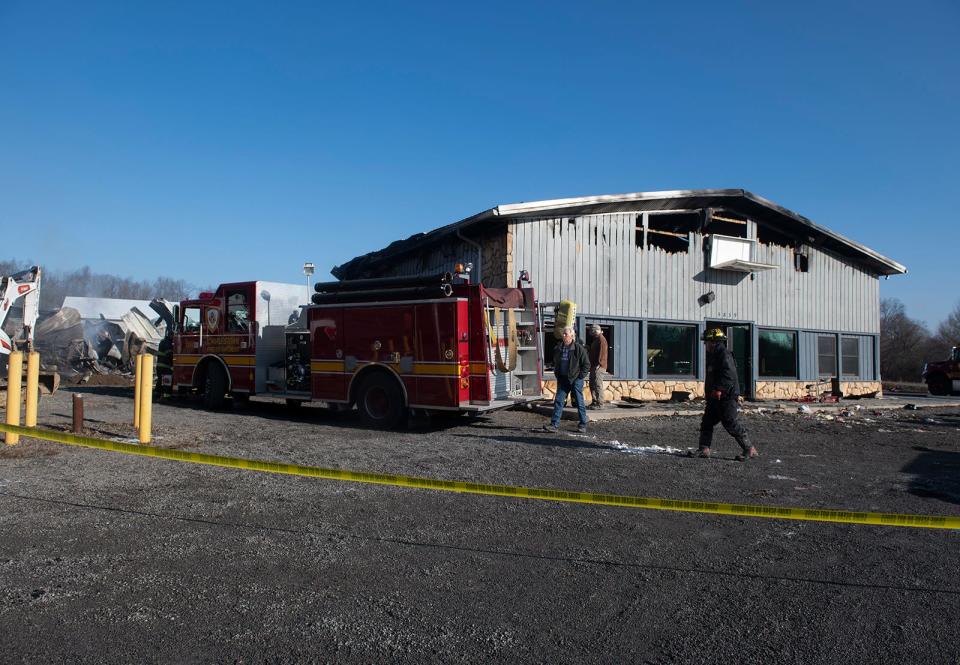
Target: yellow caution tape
709	507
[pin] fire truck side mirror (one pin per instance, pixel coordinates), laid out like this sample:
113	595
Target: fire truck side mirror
176	319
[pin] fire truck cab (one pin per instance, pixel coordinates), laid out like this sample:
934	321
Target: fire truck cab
387	346
225	341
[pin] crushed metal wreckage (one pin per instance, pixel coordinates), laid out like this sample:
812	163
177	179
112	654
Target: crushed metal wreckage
79	344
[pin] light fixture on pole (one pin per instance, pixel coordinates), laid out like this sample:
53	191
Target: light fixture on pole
308	271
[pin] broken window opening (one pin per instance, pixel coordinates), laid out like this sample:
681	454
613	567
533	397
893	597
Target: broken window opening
638	232
767	235
671	231
801	262
725	224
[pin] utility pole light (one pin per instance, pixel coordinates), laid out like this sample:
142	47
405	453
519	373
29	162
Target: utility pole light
308	271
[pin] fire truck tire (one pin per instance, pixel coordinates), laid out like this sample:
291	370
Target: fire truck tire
380	402
214	388
939	384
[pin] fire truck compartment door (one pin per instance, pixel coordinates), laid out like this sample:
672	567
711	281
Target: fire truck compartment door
328	379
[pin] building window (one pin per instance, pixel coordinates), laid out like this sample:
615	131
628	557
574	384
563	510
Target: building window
671	231
827	355
727	224
671	349
608	334
549	343
850	356
778	354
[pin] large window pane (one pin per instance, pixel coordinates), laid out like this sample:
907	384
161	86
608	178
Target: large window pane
778	354
827	355
850	360
671	349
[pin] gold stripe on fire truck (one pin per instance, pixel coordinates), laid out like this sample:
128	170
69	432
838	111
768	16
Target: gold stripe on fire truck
326	366
419	369
186	359
189	360
240	361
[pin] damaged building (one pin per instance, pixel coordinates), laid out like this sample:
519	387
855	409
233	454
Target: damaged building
100	335
800	303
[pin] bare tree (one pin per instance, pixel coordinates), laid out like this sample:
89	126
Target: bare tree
84	282
905	344
948	333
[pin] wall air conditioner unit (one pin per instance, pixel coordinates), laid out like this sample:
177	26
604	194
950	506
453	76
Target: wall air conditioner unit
729	253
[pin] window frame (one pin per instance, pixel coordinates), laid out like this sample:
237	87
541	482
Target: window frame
843	357
199	321
796	355
833	371
694	354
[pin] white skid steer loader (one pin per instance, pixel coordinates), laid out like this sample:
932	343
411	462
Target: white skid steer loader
24	284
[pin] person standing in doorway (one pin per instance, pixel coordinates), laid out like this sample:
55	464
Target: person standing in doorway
598	365
571	366
721	390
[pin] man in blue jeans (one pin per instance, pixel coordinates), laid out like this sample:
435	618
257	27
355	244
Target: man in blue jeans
571	364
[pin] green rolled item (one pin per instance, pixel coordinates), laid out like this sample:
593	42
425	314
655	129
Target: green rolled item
566	317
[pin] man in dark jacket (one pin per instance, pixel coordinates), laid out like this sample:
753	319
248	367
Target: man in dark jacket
721	390
598	365
571	365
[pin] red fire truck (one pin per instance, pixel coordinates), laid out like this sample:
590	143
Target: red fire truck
386	345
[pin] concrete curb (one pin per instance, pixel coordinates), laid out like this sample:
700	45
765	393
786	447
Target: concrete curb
659	409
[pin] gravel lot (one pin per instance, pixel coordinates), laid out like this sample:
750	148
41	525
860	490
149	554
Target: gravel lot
113	558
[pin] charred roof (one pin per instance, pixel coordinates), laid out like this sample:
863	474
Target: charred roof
757	208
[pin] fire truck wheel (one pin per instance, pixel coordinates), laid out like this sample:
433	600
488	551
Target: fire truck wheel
940	385
214	388
380	402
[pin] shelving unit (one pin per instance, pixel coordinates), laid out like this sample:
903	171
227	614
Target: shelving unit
524	379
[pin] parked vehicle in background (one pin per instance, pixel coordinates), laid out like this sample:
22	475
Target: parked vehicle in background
943	377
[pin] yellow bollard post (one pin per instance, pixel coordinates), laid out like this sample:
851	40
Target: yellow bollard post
14	378
33	389
136	391
146	397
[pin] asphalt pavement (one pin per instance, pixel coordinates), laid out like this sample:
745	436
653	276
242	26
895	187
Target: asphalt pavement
108	558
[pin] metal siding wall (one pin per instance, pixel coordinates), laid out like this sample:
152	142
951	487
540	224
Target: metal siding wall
626	341
612	276
808	356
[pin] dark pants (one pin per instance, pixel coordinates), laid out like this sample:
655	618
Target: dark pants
722	411
564	386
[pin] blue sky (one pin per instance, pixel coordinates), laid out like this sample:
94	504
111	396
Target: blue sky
245	138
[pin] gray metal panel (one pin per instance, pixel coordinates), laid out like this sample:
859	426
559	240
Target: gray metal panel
595	262
807	342
626	341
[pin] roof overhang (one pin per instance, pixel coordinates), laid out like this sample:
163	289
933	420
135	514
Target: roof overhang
755	207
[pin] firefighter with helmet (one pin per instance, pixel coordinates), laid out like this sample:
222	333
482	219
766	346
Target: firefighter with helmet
722	391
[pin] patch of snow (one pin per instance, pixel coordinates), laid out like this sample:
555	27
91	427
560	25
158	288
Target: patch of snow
782	478
643	450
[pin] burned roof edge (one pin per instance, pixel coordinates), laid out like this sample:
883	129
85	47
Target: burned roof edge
587	204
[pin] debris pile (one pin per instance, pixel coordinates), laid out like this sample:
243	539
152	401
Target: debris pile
79	347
